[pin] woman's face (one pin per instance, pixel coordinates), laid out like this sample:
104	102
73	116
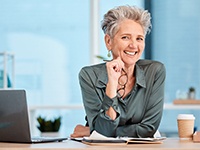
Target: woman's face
128	43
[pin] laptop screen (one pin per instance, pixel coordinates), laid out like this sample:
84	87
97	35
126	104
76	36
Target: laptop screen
14	122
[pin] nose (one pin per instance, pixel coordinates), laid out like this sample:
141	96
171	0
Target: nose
132	44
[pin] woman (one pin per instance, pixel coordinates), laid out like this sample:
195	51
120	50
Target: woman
124	96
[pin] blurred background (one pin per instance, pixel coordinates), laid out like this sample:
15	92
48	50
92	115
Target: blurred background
44	44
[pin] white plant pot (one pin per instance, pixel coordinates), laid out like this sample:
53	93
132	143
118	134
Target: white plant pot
191	95
50	134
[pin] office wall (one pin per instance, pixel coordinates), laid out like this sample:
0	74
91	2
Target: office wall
51	43
50	40
175	41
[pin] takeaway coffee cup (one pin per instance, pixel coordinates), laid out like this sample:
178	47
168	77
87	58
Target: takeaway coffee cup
185	126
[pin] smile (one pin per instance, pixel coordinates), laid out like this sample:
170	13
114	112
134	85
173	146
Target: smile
130	53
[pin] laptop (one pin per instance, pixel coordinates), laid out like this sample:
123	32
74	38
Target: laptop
14	121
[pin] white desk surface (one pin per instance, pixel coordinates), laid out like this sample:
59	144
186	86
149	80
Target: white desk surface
168	144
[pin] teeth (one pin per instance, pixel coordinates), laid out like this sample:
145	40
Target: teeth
130	53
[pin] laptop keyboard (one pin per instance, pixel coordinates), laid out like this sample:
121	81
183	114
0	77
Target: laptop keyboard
47	139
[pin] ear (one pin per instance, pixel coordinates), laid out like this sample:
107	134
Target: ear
108	43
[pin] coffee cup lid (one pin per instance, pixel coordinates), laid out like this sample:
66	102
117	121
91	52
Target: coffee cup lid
185	116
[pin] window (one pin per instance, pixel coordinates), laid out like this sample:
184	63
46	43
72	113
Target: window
50	40
175	42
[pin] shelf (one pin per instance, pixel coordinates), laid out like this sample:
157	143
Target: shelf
181	106
186	101
33	109
39	107
80	106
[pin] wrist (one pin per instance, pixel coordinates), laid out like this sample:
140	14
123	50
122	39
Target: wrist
111	90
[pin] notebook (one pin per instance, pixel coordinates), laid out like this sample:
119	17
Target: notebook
14	121
98	139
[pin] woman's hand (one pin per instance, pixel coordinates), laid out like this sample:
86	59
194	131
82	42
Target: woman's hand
114	68
80	131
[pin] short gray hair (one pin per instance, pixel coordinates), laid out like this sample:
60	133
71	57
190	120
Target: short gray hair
113	17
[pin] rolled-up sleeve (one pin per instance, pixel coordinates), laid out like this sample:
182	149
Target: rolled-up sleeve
96	105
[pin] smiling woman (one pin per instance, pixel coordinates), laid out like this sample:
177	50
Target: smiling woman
136	110
127	43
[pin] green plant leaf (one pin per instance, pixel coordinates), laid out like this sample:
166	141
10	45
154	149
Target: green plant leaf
49	125
101	57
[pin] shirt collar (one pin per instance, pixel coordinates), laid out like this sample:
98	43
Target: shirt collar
140	76
102	77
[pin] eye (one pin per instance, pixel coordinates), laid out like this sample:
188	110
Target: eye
125	38
140	39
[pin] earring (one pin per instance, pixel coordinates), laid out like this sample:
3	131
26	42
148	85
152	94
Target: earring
109	53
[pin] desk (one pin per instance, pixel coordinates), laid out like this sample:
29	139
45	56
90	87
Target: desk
168	144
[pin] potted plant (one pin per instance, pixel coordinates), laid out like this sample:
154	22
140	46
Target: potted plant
49	127
191	93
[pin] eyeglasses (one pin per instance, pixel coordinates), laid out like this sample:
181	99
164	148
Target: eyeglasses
122	81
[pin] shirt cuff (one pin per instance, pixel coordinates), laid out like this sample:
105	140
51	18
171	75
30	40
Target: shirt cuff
108	102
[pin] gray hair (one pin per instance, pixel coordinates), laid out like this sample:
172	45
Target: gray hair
113	17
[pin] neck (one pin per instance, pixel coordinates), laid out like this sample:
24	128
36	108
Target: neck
130	71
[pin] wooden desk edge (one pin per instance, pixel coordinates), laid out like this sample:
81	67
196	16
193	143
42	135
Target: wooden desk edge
168	144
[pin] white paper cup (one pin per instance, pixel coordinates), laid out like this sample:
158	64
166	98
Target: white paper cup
185	126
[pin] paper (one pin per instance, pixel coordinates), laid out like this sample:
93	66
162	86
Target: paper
96	137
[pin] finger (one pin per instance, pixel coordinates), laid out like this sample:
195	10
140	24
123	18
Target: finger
117	68
118	64
115	64
121	63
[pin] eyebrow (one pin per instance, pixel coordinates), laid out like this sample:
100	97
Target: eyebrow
140	35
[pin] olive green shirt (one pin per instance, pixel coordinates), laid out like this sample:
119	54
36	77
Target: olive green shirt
139	113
